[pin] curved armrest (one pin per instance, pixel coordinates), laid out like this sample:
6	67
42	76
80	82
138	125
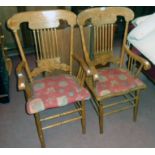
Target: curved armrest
82	63
144	62
21	79
93	70
89	67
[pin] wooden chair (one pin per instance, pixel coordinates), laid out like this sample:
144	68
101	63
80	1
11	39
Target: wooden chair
53	34
113	82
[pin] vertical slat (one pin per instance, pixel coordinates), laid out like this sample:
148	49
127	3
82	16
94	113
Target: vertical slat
71	50
105	28
23	55
53	42
49	43
39	44
42	44
46	43
129	61
138	71
95	39
56	42
36	44
132	65
103	38
100	39
112	35
109	37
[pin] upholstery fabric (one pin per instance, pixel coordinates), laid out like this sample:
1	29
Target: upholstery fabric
55	91
115	81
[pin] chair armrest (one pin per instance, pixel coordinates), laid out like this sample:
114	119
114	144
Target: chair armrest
88	67
21	78
82	63
146	65
93	70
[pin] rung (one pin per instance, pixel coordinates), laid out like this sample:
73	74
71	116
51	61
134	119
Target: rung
121	102
60	115
61	123
114	111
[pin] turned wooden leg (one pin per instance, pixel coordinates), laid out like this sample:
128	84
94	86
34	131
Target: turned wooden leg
101	117
83	121
135	109
39	129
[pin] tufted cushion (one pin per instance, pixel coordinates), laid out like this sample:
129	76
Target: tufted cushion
115	81
55	91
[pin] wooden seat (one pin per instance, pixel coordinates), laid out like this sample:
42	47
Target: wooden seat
57	85
113	82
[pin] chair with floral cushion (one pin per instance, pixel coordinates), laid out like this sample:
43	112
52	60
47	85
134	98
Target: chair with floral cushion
50	83
113	82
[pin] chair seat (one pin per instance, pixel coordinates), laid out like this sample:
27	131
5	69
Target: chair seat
55	91
116	81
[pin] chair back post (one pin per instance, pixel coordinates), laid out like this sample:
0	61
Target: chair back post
86	54
22	54
122	54
71	49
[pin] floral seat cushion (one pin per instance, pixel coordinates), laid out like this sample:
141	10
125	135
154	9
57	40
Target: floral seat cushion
115	81
55	91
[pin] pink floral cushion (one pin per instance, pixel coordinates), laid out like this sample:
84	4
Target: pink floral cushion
55	91
115	81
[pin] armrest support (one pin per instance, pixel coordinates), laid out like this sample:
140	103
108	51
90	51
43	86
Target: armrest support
21	79
94	71
88	68
142	61
82	63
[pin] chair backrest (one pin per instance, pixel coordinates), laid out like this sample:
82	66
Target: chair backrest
102	21
49	39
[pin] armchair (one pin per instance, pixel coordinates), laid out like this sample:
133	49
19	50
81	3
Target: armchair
51	83
113	82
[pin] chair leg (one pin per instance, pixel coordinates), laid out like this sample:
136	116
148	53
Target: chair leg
39	129
135	109
83	121
101	117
